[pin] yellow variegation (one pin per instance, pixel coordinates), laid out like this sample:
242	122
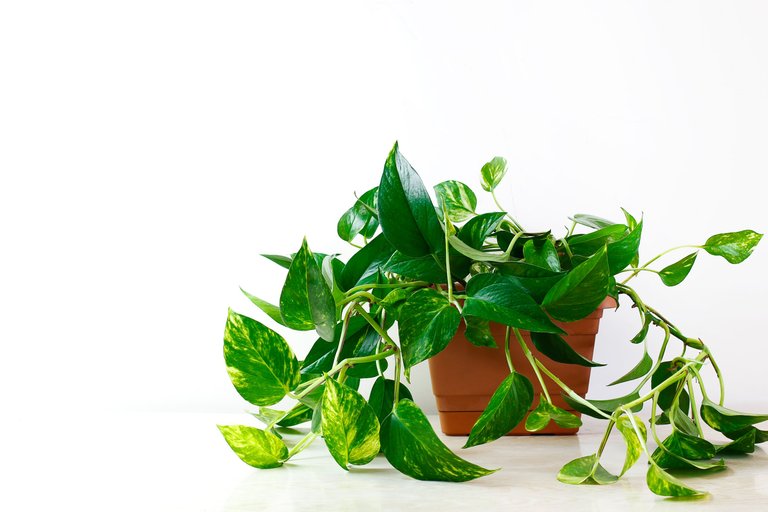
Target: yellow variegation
349	425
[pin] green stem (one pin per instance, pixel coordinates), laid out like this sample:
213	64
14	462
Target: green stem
449	278
607	434
571	393
637	270
516	224
719	376
694	407
376	327
356	296
363	287
303	443
398	370
343	335
701	385
532	361
506	349
679	374
662	351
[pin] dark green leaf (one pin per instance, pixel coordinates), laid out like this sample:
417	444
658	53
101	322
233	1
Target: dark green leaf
761	436
492	173
665	370
589	243
306	302
643	333
675	273
424	268
662	483
640	370
283	261
270	309
623	251
581	290
413	448
383	395
734	247
260	363
542	253
478	228
456	199
607	406
682	451
503	299
360	218
745	443
557	349
538	281
350	427
394	300
427	323
507	407
363	267
258	448
585	470
592	221
634	442
723	419
406	212
360	341
477	254
478	332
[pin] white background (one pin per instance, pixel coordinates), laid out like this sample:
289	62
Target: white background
150	150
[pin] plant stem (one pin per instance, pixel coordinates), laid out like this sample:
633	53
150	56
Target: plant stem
662	351
363	287
506	349
637	270
694	408
343	335
303	443
398	370
449	278
532	361
571	393
516	224
376	327
719	376
356	296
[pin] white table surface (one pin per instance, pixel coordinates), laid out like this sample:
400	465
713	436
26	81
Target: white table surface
164	461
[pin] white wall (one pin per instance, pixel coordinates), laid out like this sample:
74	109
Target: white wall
150	150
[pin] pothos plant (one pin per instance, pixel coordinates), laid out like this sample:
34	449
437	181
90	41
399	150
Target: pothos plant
427	269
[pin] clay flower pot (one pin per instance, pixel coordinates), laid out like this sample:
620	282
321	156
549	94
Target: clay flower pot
465	376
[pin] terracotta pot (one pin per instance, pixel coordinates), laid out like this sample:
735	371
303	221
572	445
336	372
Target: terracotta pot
465	376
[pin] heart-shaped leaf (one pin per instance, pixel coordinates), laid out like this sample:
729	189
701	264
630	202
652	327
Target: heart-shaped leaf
676	273
270	309
662	483
623	251
542	253
478	228
361	218
258	448
723	419
634	442
260	363
557	349
734	247
507	407
306	301
478	332
585	470
745	443
406	213
640	370
413	448
643	332
581	290
544	412
424	268
592	221
456	199
363	267
503	299
349	425
383	395
492	173
427	323
683	451
589	243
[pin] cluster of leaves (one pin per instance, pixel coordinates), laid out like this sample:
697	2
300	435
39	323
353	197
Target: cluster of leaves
427	269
